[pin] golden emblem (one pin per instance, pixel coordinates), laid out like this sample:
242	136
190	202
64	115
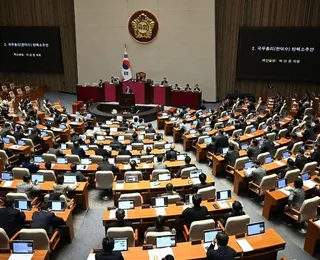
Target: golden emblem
143	26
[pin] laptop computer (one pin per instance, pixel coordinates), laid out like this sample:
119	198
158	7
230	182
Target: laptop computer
62	160
140	137
21	143
37	177
173	118
286	155
6	140
268	159
126	204
255	229
121	138
165	241
281	183
6	176
207	129
244	146
22	204
207	140
187	116
248	165
305	176
63	146
131	179
194	122
192	131
210	234
44	134
70	180
195	173
129	147
38	159
56	205
120	244
100	137
164	177
224	195
167	146
89	116
85	161
159	202
253	130
164	114
62	126
188	198
22	247
225	150
181	157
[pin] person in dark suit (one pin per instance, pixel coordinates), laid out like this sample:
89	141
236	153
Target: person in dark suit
315	156
197	212
128	90
253	150
46	219
164	81
308	133
123	150
242	124
5	130
187	160
267	145
34	136
56	150
107	253
77	150
100	151
224	252
120	215
171	155
18	134
116	140
78	174
188	88
294	139
202	184
150	129
105	165
232	155
219	142
237	210
158	226
301	160
290	166
257	173
135	139
11	220
33	168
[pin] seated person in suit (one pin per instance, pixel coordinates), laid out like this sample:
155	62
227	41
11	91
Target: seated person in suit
267	145
130	129
187	160
197	212
237	210
123	150
169	190
73	172
148	150
308	133
27	186
133	165
150	129
5	130
171	155
257	173
232	155
46	219
108	253
187	88
19	133
223	252
61	188
120	215
48	165
219	142
11	219
290	166
55	149
32	167
105	165
253	150
77	150
315	156
100	151
135	139
136	121
158	226
196	88
116	140
297	195
202	184
160	164
301	160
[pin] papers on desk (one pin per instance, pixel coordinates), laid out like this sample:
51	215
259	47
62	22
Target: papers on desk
248	172
249	135
279	163
286	190
317	223
119	186
80	167
20	257
161	211
187	206
206	246
158	254
196	181
145	166
91	257
7	184
126	167
244	244
223	204
14	146
309	183
154	184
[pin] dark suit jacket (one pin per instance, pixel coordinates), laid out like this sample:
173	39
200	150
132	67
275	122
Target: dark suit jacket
315	156
193	214
150	130
171	155
36	139
229	215
123	223
46	220
78	151
109	256
268	146
11	220
33	168
308	134
220	142
196	187
222	253
100	151
105	166
231	157
253	152
300	161
124	152
4	132
18	135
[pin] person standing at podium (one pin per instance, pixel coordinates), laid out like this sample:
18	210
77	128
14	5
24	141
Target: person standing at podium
128	90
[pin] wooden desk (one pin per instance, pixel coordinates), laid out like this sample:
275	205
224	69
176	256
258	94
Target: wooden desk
266	247
160	122
147	190
66	167
25	149
312	237
248	137
64	134
67	231
177	134
168	126
80	194
78	127
38	255
239	175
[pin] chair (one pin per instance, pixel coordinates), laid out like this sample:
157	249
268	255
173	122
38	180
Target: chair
202	138
12	139
261	125
308	112
40	238
128	136
146	158
197	228
104	181
48	175
159	145
17	196
68	204
218	125
235	144
236	225
151	236
19	91
248	129
33	148
249	116
310	167
4	157
123	159
185	173
18	173
73	158
96	158
279	152
149	135
292	175
48	157
137	146
261	157
126	232
137	174
282	133
272	136
4	240
138	200
238	165
141	128
236	133
296	147
155	173
93	147
207	193
268	182
172	199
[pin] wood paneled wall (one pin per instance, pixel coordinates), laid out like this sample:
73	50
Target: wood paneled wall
231	14
45	13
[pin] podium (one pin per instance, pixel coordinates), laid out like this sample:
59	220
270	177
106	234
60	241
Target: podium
127	100
161	95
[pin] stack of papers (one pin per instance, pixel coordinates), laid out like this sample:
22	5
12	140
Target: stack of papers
206	246
249	135
14	147
126	167
119	186
309	183
158	254
244	244
279	163
195	181
20	257
161	211
7	184
285	191
145	166
223	204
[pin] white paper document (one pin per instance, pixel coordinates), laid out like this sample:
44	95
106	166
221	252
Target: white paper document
7	184
249	135
145	166
119	186
196	181
126	167
14	147
20	257
91	257
161	211
317	223
279	163
285	191
158	254
244	244
223	204
309	183
187	206
206	246
112	214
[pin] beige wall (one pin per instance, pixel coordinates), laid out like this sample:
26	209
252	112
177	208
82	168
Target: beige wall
183	51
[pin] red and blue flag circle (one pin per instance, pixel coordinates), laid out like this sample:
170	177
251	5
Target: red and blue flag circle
125	64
